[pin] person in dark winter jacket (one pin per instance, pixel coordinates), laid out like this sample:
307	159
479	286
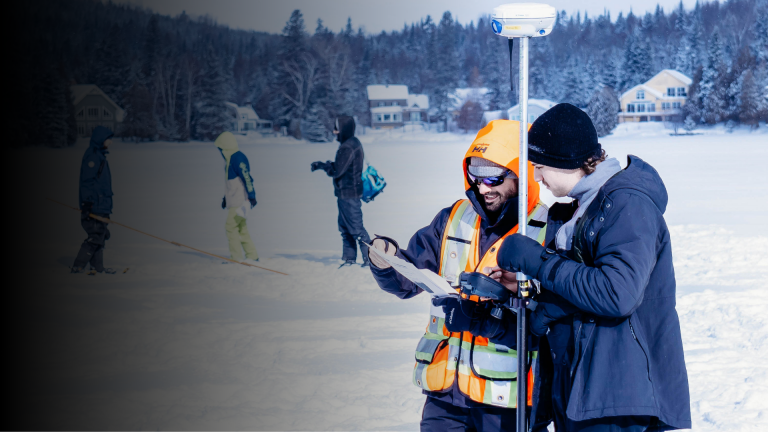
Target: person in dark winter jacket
607	306
347	173
95	198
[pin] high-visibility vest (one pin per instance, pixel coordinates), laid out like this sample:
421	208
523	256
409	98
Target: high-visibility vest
486	372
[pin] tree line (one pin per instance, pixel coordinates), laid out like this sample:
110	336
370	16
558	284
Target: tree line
172	75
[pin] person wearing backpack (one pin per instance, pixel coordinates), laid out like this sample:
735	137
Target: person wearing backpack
347	171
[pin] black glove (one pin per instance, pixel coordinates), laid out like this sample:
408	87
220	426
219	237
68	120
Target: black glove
328	167
252	201
521	253
85	207
224	203
460	314
550	308
317	165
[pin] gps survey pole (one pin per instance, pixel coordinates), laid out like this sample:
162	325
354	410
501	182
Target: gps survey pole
522	21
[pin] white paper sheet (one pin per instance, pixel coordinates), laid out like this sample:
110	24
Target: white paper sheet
424	279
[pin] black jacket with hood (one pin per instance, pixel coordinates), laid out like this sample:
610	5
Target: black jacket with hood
347	169
95	177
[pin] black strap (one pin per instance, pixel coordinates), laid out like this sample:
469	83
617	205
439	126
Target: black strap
460	240
537	223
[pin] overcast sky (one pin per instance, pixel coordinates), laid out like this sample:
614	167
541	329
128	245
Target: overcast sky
373	16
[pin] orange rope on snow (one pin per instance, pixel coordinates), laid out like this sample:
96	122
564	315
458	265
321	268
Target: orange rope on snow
106	220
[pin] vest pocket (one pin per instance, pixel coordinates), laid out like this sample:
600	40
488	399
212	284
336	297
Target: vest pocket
493	362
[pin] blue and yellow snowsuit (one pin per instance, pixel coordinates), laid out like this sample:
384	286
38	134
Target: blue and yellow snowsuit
239	195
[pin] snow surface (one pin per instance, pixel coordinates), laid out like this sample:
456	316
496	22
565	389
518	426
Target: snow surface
184	342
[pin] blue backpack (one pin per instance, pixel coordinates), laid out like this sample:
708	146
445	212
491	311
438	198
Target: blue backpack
373	183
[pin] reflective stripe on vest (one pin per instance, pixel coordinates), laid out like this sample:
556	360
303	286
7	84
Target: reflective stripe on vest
486	371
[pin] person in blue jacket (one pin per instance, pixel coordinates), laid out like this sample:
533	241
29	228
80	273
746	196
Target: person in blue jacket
95	198
607	302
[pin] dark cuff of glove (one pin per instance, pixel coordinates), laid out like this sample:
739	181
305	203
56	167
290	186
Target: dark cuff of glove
224	202
252	201
537	324
459	313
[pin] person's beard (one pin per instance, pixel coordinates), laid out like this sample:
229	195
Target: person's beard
498	203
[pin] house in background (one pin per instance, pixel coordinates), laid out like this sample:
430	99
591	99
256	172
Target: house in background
536	107
245	119
661	98
392	106
94	108
461	96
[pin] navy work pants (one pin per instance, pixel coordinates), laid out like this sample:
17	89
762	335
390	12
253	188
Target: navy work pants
439	416
352	229
92	249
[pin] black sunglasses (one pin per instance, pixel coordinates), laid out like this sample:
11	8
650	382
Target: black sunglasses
488	181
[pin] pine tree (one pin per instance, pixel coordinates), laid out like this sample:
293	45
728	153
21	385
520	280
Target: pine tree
53	110
110	71
447	66
314	124
749	100
139	122
603	109
210	116
711	91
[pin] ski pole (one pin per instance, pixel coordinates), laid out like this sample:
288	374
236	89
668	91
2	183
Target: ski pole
524	21
106	220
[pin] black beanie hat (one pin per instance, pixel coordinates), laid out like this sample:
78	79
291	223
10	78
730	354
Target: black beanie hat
563	137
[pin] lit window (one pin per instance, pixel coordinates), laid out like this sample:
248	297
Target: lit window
670	91
416	116
630	107
641	94
681	91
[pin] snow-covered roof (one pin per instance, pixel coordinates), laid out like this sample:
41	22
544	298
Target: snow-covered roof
387	109
544	104
650	90
679	76
418	101
387	92
250	114
80	91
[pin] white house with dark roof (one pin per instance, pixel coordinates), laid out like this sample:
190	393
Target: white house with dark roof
94	108
245	119
392	106
658	99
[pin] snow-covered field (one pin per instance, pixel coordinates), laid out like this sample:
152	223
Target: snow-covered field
184	342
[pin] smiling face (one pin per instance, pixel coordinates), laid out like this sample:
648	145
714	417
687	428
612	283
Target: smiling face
559	181
495	196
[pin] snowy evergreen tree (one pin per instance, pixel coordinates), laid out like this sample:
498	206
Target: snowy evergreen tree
637	62
139	122
111	68
210	114
54	112
446	67
692	110
712	93
603	109
313	125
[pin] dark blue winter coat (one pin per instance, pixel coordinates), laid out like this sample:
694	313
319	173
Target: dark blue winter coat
424	252
627	346
95	178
